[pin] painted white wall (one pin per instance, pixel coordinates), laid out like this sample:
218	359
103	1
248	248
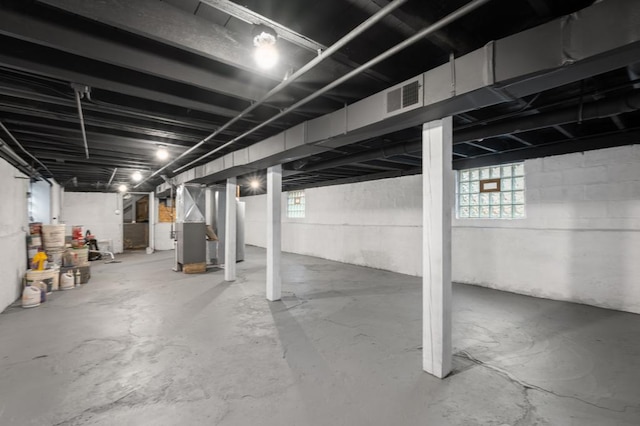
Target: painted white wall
162	232
376	224
95	211
40	202
13	232
579	242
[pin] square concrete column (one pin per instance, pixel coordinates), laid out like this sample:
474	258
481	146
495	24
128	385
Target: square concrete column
56	202
230	232
437	193
274	229
152	222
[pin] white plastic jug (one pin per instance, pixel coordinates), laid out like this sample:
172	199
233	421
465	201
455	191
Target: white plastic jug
31	297
66	281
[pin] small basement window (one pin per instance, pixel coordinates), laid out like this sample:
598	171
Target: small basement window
495	192
295	204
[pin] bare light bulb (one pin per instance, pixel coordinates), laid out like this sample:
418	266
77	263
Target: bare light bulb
162	153
136	176
266	56
254	184
122	188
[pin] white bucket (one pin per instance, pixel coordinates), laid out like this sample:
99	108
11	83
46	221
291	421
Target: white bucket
67	281
53	236
31	297
55	256
82	256
47	276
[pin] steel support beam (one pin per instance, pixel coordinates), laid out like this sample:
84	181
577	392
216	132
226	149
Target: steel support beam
167	24
607	140
47	70
593	110
46	33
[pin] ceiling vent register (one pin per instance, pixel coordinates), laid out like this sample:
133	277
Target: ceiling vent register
406	96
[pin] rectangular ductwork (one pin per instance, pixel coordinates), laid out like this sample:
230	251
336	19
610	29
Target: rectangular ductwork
598	39
404	97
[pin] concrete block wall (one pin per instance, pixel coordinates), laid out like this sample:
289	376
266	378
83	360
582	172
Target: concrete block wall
580	240
96	211
375	224
13	231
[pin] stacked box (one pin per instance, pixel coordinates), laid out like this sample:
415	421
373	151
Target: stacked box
34	241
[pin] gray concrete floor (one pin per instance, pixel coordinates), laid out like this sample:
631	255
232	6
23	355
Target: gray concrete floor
142	345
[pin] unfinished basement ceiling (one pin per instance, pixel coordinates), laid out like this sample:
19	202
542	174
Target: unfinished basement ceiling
173	72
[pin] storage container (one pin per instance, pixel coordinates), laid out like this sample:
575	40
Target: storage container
53	236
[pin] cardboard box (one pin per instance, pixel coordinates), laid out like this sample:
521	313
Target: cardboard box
194	268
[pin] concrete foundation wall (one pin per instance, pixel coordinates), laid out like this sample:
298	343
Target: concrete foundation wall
95	211
375	224
580	240
13	232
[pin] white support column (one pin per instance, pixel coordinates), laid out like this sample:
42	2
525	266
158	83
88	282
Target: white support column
134	213
437	192
208	220
230	232
274	236
55	200
152	222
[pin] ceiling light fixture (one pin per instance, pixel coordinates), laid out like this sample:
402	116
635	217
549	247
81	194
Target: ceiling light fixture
264	39
122	188
254	184
162	153
136	176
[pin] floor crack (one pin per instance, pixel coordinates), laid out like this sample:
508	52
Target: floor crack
529	386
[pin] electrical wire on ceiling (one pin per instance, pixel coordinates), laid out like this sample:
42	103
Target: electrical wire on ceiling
4	128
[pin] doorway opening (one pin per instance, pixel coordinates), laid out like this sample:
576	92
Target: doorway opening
135	219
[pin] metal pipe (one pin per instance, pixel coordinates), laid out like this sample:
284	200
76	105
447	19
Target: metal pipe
607	107
22	148
20	164
84	133
7	149
398	47
311	64
112	176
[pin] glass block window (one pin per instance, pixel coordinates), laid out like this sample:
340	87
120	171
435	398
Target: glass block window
504	200
295	204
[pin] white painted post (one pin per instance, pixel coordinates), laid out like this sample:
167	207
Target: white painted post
437	192
230	232
152	222
55	202
274	236
209	209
